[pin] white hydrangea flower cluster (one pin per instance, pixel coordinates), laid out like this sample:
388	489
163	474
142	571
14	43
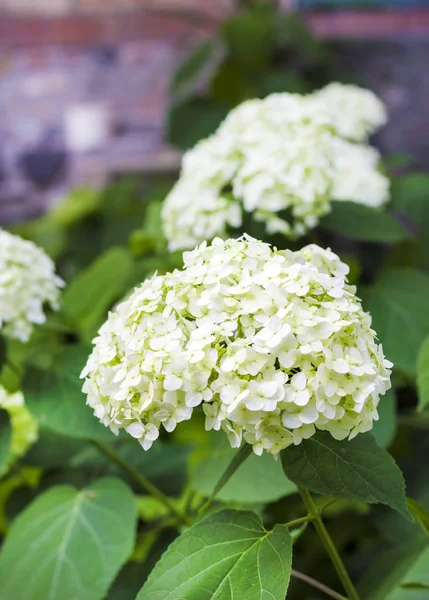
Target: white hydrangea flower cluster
24	427
27	282
282	159
273	345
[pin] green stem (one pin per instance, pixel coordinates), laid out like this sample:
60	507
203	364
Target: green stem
329	545
244	452
316	584
144	483
414	421
299	521
15	369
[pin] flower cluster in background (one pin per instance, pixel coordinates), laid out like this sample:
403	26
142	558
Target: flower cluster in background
272	344
27	282
24	426
283	159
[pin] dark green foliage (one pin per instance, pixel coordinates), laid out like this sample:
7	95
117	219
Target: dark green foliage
258	52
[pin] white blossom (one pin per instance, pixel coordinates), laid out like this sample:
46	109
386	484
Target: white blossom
279	159
27	283
356	112
24	426
357	176
271	345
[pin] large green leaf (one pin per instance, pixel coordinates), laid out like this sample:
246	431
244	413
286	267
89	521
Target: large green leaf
192	66
356	469
423	374
5	440
363	223
230	84
69	543
193	120
88	297
398	304
420	514
3	353
55	397
225	556
250	38
385	428
279	80
79	203
401	573
258	479
410	195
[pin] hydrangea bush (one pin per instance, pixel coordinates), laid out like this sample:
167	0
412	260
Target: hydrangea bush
249	382
282	159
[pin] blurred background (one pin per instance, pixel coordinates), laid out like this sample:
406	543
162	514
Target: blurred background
93	90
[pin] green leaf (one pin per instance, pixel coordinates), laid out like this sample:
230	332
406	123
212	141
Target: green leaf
193	120
394	570
78	204
5	440
69	543
238	459
250	38
230	85
410	195
423	374
192	66
385	428
420	514
398	304
363	223
151	509
52	451
357	469
226	555
293	33
414	584
281	80
88	296
55	397
258	479
3	353
166	465
48	235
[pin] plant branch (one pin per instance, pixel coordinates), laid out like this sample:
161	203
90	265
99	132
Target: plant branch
14	368
329	544
316	584
299	521
414	421
244	452
143	482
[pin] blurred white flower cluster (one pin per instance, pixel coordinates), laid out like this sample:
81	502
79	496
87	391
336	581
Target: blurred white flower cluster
24	426
282	159
273	345
27	282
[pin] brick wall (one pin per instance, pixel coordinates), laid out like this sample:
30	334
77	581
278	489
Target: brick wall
68	7
119	55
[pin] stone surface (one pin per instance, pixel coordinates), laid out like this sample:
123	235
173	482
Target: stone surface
397	71
41	7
